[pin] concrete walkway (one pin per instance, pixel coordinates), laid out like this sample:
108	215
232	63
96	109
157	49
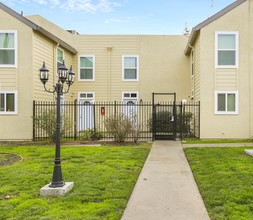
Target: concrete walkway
166	189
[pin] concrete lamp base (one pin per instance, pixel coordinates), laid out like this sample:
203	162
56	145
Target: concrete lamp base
249	152
59	191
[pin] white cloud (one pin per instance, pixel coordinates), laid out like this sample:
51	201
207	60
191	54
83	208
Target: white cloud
91	6
113	20
121	20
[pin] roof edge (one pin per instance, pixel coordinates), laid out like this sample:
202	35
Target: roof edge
37	28
18	16
208	21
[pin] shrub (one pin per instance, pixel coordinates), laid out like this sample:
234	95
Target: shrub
120	126
164	123
47	122
90	135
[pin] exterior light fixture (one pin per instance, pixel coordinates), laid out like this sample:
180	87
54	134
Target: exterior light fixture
64	76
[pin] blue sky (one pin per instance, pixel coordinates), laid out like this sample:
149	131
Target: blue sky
122	16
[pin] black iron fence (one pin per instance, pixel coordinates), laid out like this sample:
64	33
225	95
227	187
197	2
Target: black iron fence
91	121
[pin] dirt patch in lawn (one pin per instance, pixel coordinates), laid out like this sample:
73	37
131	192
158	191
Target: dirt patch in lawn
7	159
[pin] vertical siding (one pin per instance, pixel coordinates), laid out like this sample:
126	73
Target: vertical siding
195	80
45	50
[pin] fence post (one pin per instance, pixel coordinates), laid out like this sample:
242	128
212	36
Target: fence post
94	115
75	119
199	119
180	121
33	120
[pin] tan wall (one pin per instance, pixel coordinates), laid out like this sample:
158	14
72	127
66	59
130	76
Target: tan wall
212	79
162	65
108	51
46	50
18	126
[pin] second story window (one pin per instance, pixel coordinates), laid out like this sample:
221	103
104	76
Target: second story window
130	68
60	57
8	48
87	68
226	49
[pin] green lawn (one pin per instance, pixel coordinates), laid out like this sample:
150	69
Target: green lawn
225	179
103	181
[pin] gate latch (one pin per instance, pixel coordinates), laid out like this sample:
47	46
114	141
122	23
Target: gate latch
172	118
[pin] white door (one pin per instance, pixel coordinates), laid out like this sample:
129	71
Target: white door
86	111
130	108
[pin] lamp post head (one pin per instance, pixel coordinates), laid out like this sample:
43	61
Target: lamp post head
44	74
70	77
62	72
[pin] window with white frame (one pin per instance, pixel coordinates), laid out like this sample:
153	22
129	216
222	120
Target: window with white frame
226	49
8	102
130	68
60	57
8	48
226	102
87	68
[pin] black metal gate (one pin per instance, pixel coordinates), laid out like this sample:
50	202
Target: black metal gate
164	121
164	118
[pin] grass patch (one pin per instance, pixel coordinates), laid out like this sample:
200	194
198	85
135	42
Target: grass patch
218	141
225	180
103	181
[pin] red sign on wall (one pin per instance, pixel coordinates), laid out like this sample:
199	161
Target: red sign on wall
102	111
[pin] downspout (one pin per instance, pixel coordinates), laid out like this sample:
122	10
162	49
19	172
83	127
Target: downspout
250	68
109	71
54	66
194	81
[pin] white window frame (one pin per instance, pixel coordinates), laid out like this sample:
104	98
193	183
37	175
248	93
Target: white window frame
57	61
226	112
15	103
236	49
93	68
86	98
123	67
15	49
130	98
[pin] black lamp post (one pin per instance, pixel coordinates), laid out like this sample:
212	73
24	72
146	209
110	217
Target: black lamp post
64	76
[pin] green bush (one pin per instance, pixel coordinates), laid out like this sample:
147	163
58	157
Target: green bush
120	126
164	122
47	122
90	135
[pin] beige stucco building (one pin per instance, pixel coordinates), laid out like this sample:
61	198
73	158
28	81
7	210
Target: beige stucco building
212	65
